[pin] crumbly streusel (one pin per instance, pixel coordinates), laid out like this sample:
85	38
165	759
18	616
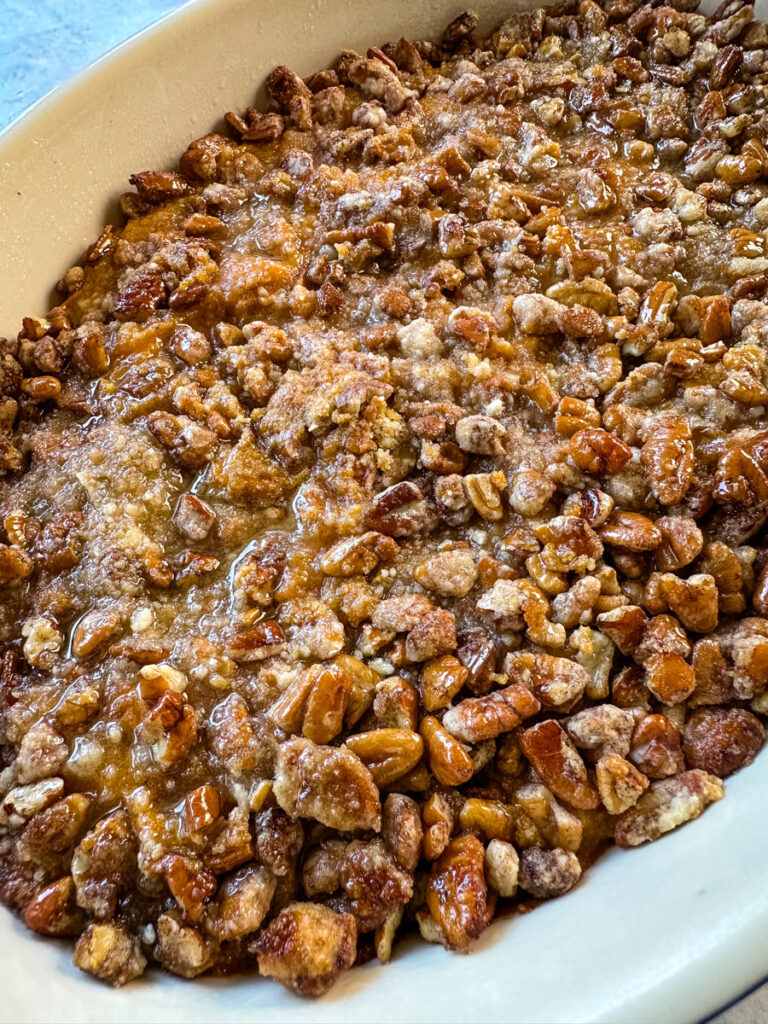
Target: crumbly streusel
384	504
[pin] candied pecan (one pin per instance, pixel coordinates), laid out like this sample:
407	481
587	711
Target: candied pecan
529	492
278	840
42	752
53	910
373	882
388	754
457	896
555	681
194	517
480	435
598	452
201	808
514	602
722	740
94	629
669	678
401	829
190	885
448	760
556	760
189	443
602	730
592	504
180	948
441	680
432	635
449	573
396	704
241	903
619	783
475	651
359	555
258	643
682	541
624	625
546	874
489	818
306	947
291	96
104	864
482	718
630	531
667	804
669	460
656	747
484	491
554	823
314	703
712	674
502	866
321	871
159	186
109	952
401	511
329	784
170	728
694	600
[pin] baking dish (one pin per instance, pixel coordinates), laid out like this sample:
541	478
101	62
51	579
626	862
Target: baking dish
670	932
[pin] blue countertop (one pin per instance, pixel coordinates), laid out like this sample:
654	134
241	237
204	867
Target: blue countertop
45	42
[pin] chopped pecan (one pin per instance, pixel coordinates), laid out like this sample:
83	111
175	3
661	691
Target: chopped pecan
722	740
548	873
619	783
457	896
329	784
558	763
656	747
556	682
53	910
109	952
667	804
448	760
482	718
388	754
306	947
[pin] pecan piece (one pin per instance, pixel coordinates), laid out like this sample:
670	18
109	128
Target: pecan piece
619	783
457	896
558	763
722	740
449	762
666	805
329	784
109	952
546	874
482	718
53	910
401	511
555	681
656	747
359	556
306	947
388	754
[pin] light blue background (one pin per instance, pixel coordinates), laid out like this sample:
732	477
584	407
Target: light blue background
43	42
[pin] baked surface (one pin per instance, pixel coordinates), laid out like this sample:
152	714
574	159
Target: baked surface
383	505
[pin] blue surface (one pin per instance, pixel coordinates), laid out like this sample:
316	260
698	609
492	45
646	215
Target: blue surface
44	42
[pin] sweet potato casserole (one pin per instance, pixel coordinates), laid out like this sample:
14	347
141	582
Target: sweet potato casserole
383	505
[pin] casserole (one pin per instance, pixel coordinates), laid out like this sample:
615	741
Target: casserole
606	954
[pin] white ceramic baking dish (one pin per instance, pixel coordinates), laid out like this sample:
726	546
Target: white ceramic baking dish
667	933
